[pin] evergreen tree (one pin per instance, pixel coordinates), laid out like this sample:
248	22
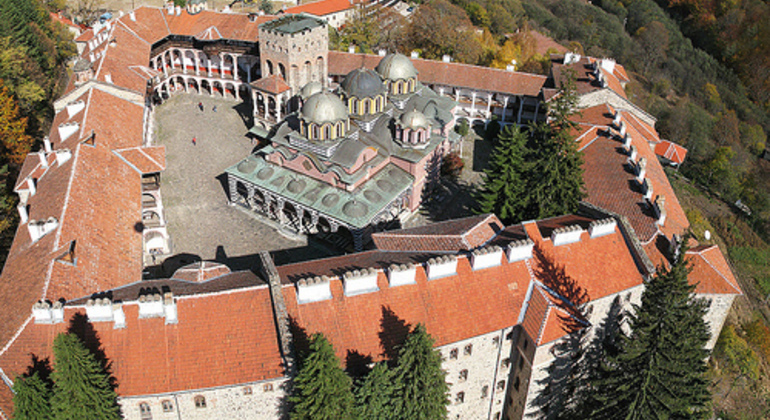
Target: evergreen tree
374	396
422	392
660	369
81	386
504	191
31	398
322	390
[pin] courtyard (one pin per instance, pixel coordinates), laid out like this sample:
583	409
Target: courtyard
200	222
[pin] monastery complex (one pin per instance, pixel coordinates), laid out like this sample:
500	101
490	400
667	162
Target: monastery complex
350	142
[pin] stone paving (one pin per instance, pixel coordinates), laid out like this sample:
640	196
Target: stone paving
201	223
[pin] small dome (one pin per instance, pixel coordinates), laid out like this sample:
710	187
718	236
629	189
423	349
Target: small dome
363	83
355	209
324	107
414	119
396	67
311	89
247	166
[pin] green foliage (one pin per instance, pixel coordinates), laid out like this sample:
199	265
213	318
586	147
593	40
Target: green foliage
462	127
440	28
504	191
31	399
266	6
422	391
735	353
374	396
81	388
322	390
758	335
452	165
660	370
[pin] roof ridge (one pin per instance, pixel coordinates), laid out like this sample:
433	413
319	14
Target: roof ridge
120	21
717	271
142	151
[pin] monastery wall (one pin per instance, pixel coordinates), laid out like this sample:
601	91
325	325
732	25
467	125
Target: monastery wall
716	315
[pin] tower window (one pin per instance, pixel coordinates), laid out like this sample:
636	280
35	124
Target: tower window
200	401
453	354
167	406
463	375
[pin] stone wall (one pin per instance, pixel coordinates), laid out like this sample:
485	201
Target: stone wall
303	55
716	315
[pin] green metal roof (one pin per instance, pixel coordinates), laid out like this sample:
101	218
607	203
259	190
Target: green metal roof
292	24
356	208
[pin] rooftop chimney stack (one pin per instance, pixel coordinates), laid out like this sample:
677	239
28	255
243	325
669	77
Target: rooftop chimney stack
360	281
632	154
382	52
351	49
520	250
566	235
31	186
62	156
23	214
99	310
43	159
132	16
415	54
313	289
42	312
641	170
169	308
442	267
490	256
151	306
118	315
446	58
57	312
647	188
400	275
622	129
660	209
617	119
602	227
47	145
627	142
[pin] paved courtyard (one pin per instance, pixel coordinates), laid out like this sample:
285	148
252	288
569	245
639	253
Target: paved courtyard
201	224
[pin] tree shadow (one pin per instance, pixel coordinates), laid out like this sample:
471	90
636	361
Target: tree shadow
393	333
43	369
448	199
84	330
555	277
300	342
357	364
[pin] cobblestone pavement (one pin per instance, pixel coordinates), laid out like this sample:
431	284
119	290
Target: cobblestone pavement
201	224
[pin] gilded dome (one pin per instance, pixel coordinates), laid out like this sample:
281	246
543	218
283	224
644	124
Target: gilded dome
363	83
396	67
414	119
324	107
311	89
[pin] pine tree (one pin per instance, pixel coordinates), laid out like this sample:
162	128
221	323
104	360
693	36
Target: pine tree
374	396
505	187
322	390
31	399
422	392
81	386
660	369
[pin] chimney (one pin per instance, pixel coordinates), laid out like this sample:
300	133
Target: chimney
91	57
169	308
68	129
571	57
632	154
520	250
647	188
446	58
442	267
108	78
617	120
23	213
641	170
170	8
660	209
43	159
360	281
400	275
622	129
313	289
490	256
31	186
510	67
42	312
99	310
178	10
566	235
151	306
382	52
415	54
47	145
132	15
602	227
57	312
118	315
627	142
62	156
608	64
351	49
36	229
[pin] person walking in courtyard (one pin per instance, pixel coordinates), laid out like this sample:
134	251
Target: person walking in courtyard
200	106
215	108
194	142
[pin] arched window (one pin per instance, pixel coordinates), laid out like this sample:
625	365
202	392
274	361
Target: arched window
167	406
327	132
200	401
410	85
269	68
145	411
282	69
340	129
367	106
463	375
315	131
353	105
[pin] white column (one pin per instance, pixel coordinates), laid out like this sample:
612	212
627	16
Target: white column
208	65
489	104
264	100
457	95
197	63
235	67
505	107
278	105
473	104
163	63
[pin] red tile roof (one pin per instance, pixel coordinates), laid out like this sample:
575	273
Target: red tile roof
586	82
271	84
671	151
449	74
321	8
220	339
453	235
145	160
711	271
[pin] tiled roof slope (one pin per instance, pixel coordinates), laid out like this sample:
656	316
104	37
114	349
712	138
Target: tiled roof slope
464	305
671	151
611	184
321	8
453	235
711	271
220	339
449	74
586	82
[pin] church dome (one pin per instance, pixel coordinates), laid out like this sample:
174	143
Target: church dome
396	67
324	107
311	89
363	83
414	119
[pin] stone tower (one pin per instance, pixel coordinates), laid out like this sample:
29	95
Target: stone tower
296	47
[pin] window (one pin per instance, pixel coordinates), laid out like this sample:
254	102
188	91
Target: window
247	390
460	397
516	384
526	344
453	354
484	391
496	341
167	406
468	350
145	411
463	375
327	132
509	336
267	387
521	362
506	362
501	386
200	401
